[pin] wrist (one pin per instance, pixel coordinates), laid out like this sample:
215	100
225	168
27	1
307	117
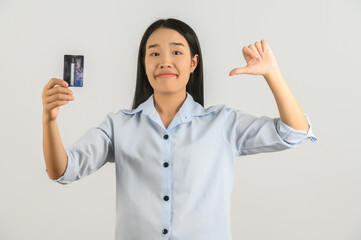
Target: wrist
272	73
47	119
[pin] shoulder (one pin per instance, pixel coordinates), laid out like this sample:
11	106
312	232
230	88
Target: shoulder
220	111
199	110
116	116
224	110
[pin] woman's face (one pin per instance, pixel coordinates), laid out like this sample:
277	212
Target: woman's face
168	61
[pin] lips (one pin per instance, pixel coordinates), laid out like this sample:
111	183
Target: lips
166	75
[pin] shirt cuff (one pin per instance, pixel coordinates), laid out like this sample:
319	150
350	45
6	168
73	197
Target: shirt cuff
295	137
310	133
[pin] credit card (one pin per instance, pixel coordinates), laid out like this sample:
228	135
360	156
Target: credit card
74	70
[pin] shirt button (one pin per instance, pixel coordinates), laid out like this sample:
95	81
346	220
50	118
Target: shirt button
165	137
165	231
165	164
166	198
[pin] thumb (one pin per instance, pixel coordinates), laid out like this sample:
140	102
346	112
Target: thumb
242	70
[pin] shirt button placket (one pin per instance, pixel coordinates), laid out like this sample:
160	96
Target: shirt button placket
166	187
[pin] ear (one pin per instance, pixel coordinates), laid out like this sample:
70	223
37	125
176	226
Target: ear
194	62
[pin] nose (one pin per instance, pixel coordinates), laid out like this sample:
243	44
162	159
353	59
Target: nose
165	61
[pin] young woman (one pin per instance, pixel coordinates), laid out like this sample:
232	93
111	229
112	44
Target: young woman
174	159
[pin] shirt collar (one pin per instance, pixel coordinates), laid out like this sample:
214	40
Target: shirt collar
189	109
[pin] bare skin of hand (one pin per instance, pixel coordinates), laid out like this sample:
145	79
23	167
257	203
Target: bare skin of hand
260	60
55	96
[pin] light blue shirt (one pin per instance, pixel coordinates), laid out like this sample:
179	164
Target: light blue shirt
176	182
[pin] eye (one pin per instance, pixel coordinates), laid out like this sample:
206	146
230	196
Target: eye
177	52
154	54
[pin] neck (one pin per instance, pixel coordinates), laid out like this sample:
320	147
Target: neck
169	104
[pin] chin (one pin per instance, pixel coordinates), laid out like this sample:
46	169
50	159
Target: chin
168	90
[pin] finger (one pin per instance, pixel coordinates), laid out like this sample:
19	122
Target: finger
58	97
260	51
259	48
265	45
254	49
55	104
58	89
55	81
249	52
254	53
236	71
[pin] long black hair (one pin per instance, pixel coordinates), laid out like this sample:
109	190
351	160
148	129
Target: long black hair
143	89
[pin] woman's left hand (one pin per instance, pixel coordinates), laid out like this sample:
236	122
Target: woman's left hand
260	60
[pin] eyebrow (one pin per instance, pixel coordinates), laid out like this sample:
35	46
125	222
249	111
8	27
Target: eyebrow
172	43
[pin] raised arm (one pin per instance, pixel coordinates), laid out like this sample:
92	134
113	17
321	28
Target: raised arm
261	61
290	110
55	94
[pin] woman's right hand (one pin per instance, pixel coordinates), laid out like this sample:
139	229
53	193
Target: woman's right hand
54	97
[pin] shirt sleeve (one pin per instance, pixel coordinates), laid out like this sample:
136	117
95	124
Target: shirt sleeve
248	134
90	152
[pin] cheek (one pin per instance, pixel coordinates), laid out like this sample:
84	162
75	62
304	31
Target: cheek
185	69
148	67
183	65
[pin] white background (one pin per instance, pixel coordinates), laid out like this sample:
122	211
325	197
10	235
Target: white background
311	192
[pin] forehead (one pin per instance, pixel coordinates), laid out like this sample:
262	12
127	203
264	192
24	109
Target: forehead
165	36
